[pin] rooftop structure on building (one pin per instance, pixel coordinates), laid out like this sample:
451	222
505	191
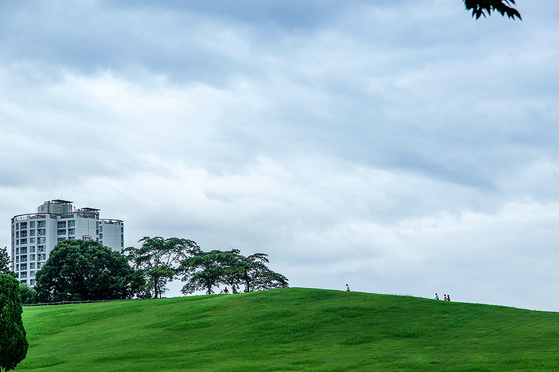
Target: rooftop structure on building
34	235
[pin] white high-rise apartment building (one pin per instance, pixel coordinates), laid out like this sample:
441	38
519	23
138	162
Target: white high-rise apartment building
34	235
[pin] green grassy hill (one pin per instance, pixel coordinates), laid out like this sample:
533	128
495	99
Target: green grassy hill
290	329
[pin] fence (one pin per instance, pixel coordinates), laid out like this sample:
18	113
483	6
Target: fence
68	302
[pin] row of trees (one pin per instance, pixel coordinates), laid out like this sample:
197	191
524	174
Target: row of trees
161	260
79	270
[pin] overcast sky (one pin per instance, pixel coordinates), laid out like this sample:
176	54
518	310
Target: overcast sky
399	146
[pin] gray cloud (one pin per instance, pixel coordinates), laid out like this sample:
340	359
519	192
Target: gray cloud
399	146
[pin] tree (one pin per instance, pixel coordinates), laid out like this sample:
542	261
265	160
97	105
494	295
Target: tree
158	261
255	275
13	342
27	294
79	270
5	262
206	270
479	7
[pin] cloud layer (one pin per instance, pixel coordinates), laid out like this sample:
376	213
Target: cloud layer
399	147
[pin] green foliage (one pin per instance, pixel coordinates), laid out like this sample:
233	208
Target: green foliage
158	260
13	342
85	270
480	7
290	329
5	262
28	295
205	270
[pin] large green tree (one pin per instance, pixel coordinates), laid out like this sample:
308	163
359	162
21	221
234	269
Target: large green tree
13	342
80	270
158	261
206	270
252	272
481	7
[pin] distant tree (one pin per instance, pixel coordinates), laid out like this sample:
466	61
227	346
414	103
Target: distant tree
13	342
28	294
78	270
253	273
158	261
206	270
5	262
480	7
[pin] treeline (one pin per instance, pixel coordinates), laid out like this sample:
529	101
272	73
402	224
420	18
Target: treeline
79	270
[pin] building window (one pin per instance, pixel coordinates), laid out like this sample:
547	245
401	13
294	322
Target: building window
23	250
42	240
71	238
40	264
41	248
32	224
32	274
31	257
71	231
23	225
23	266
101	236
23	258
23	274
32	265
71	223
61	224
42	257
31	232
17	250
23	241
17	267
17	241
23	281
32	282
32	240
41	232
23	234
32	249
17	259
60	239
17	234
62	232
17	226
41	223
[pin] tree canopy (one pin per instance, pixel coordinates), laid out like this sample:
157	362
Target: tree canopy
206	270
480	7
80	270
158	261
13	342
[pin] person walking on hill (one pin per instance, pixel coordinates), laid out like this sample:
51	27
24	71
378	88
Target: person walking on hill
445	297
448	298
436	296
347	287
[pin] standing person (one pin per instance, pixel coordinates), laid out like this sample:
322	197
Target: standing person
445	296
436	297
448	298
347	287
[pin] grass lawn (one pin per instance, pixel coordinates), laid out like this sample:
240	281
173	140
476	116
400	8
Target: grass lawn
291	329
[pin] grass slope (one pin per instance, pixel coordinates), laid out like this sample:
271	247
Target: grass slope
290	329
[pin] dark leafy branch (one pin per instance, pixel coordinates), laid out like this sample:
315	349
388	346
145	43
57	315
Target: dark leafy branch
481	7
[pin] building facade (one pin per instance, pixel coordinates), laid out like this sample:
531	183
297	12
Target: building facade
34	235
